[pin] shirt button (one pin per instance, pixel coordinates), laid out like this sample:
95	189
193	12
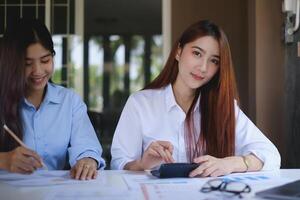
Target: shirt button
36	115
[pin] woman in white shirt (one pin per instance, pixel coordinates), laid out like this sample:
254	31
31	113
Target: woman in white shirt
189	113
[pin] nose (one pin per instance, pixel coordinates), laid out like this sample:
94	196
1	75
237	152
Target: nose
36	67
203	65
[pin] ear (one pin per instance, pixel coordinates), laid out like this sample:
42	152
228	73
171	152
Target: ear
178	53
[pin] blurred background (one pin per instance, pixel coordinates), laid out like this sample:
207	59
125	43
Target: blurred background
108	49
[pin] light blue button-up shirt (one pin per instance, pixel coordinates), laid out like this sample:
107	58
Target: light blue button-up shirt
60	129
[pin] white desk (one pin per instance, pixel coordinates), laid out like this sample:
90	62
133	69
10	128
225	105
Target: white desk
112	185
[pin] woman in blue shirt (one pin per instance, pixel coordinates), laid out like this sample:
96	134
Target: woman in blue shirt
51	120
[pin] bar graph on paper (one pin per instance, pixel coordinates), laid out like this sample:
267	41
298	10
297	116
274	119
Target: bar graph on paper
247	178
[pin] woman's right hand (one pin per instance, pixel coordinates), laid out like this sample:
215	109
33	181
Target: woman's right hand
156	153
22	160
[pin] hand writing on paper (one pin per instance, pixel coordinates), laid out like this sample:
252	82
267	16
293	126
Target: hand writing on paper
212	166
156	153
22	160
84	169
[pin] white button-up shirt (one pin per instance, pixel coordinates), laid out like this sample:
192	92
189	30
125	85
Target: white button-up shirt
151	115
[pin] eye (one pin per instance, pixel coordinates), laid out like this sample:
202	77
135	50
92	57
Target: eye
28	64
197	53
215	61
45	61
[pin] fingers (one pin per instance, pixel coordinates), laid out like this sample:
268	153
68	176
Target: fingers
95	174
166	145
153	152
20	160
27	163
196	172
78	171
217	173
206	167
25	169
22	166
162	152
211	166
34	162
19	167
36	159
170	157
202	159
90	174
162	149
72	173
85	172
85	169
20	170
209	171
157	153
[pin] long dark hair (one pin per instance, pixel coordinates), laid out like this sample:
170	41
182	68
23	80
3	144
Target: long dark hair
217	137
17	37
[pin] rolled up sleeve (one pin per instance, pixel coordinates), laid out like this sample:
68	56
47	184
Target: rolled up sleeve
250	140
83	142
127	140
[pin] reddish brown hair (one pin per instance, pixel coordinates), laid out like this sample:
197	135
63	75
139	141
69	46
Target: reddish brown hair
217	137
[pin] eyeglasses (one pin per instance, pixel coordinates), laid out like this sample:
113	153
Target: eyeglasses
223	185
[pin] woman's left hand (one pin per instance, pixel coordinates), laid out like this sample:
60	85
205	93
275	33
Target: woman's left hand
85	169
212	166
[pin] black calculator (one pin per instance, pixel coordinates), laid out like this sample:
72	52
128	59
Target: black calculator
174	170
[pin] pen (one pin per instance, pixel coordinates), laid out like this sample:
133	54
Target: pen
12	134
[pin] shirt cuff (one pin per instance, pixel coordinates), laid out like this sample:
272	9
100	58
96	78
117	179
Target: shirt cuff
95	156
119	164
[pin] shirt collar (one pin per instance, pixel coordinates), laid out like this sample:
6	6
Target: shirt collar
197	103
50	96
170	98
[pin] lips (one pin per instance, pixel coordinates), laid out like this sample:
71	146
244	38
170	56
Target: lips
197	77
38	80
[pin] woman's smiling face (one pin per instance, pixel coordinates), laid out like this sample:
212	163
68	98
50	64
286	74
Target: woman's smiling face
198	62
39	67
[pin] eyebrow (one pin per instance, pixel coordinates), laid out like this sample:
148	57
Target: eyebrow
49	54
202	50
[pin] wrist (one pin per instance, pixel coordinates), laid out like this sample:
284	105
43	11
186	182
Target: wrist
141	165
237	164
134	166
246	163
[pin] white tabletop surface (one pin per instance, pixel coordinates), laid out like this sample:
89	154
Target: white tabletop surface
112	184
